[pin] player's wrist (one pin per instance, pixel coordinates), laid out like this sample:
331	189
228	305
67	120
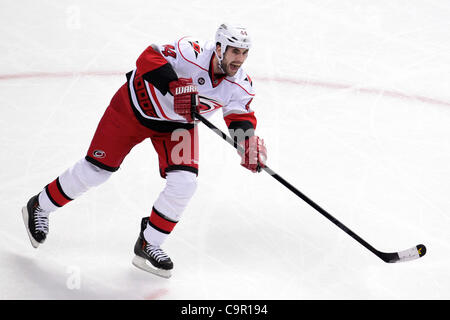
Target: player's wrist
253	153
182	86
185	100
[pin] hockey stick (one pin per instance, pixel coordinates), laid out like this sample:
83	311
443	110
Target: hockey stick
390	257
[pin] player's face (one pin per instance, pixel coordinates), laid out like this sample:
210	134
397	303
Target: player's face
233	60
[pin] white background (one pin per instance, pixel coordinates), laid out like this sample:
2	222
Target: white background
353	101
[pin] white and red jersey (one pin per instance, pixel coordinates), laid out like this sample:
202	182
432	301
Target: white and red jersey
189	58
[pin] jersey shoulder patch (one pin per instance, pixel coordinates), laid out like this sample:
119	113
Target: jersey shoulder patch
249	80
190	48
244	83
196	47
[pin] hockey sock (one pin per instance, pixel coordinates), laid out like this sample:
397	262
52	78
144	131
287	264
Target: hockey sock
158	228
71	184
53	196
179	189
167	209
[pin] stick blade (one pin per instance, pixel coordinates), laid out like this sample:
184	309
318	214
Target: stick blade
405	255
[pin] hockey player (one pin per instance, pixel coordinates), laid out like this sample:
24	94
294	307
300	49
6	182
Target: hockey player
169	83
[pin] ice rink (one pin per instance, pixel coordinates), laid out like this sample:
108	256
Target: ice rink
352	100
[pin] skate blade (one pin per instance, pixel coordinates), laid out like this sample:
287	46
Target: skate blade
145	265
34	243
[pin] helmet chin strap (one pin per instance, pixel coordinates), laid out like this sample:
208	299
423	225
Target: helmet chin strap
219	61
220	66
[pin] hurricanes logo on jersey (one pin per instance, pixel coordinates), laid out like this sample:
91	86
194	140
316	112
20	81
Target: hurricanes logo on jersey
99	154
206	104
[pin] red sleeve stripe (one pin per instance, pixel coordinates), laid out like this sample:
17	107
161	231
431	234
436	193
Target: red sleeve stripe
159	222
56	194
150	60
241	117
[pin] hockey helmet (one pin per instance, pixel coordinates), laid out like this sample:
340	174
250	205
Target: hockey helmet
231	35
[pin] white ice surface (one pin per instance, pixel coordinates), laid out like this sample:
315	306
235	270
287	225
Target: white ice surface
353	101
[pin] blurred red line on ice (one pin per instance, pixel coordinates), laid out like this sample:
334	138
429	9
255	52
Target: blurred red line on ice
158	294
372	91
41	75
300	82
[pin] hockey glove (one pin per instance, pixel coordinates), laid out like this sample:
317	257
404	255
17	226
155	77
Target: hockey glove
185	97
255	154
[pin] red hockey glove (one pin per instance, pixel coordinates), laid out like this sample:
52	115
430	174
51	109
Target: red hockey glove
255	155
185	97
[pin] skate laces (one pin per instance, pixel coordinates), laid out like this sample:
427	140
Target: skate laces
157	253
40	220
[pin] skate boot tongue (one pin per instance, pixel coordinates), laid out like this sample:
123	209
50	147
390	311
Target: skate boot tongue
36	221
41	221
159	255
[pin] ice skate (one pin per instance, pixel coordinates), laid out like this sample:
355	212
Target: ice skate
36	222
151	258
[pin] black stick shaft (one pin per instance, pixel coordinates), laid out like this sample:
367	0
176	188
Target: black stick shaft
293	189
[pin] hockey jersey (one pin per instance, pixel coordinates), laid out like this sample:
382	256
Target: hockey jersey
188	58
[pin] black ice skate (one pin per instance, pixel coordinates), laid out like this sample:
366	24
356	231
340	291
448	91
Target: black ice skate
36	221
151	258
